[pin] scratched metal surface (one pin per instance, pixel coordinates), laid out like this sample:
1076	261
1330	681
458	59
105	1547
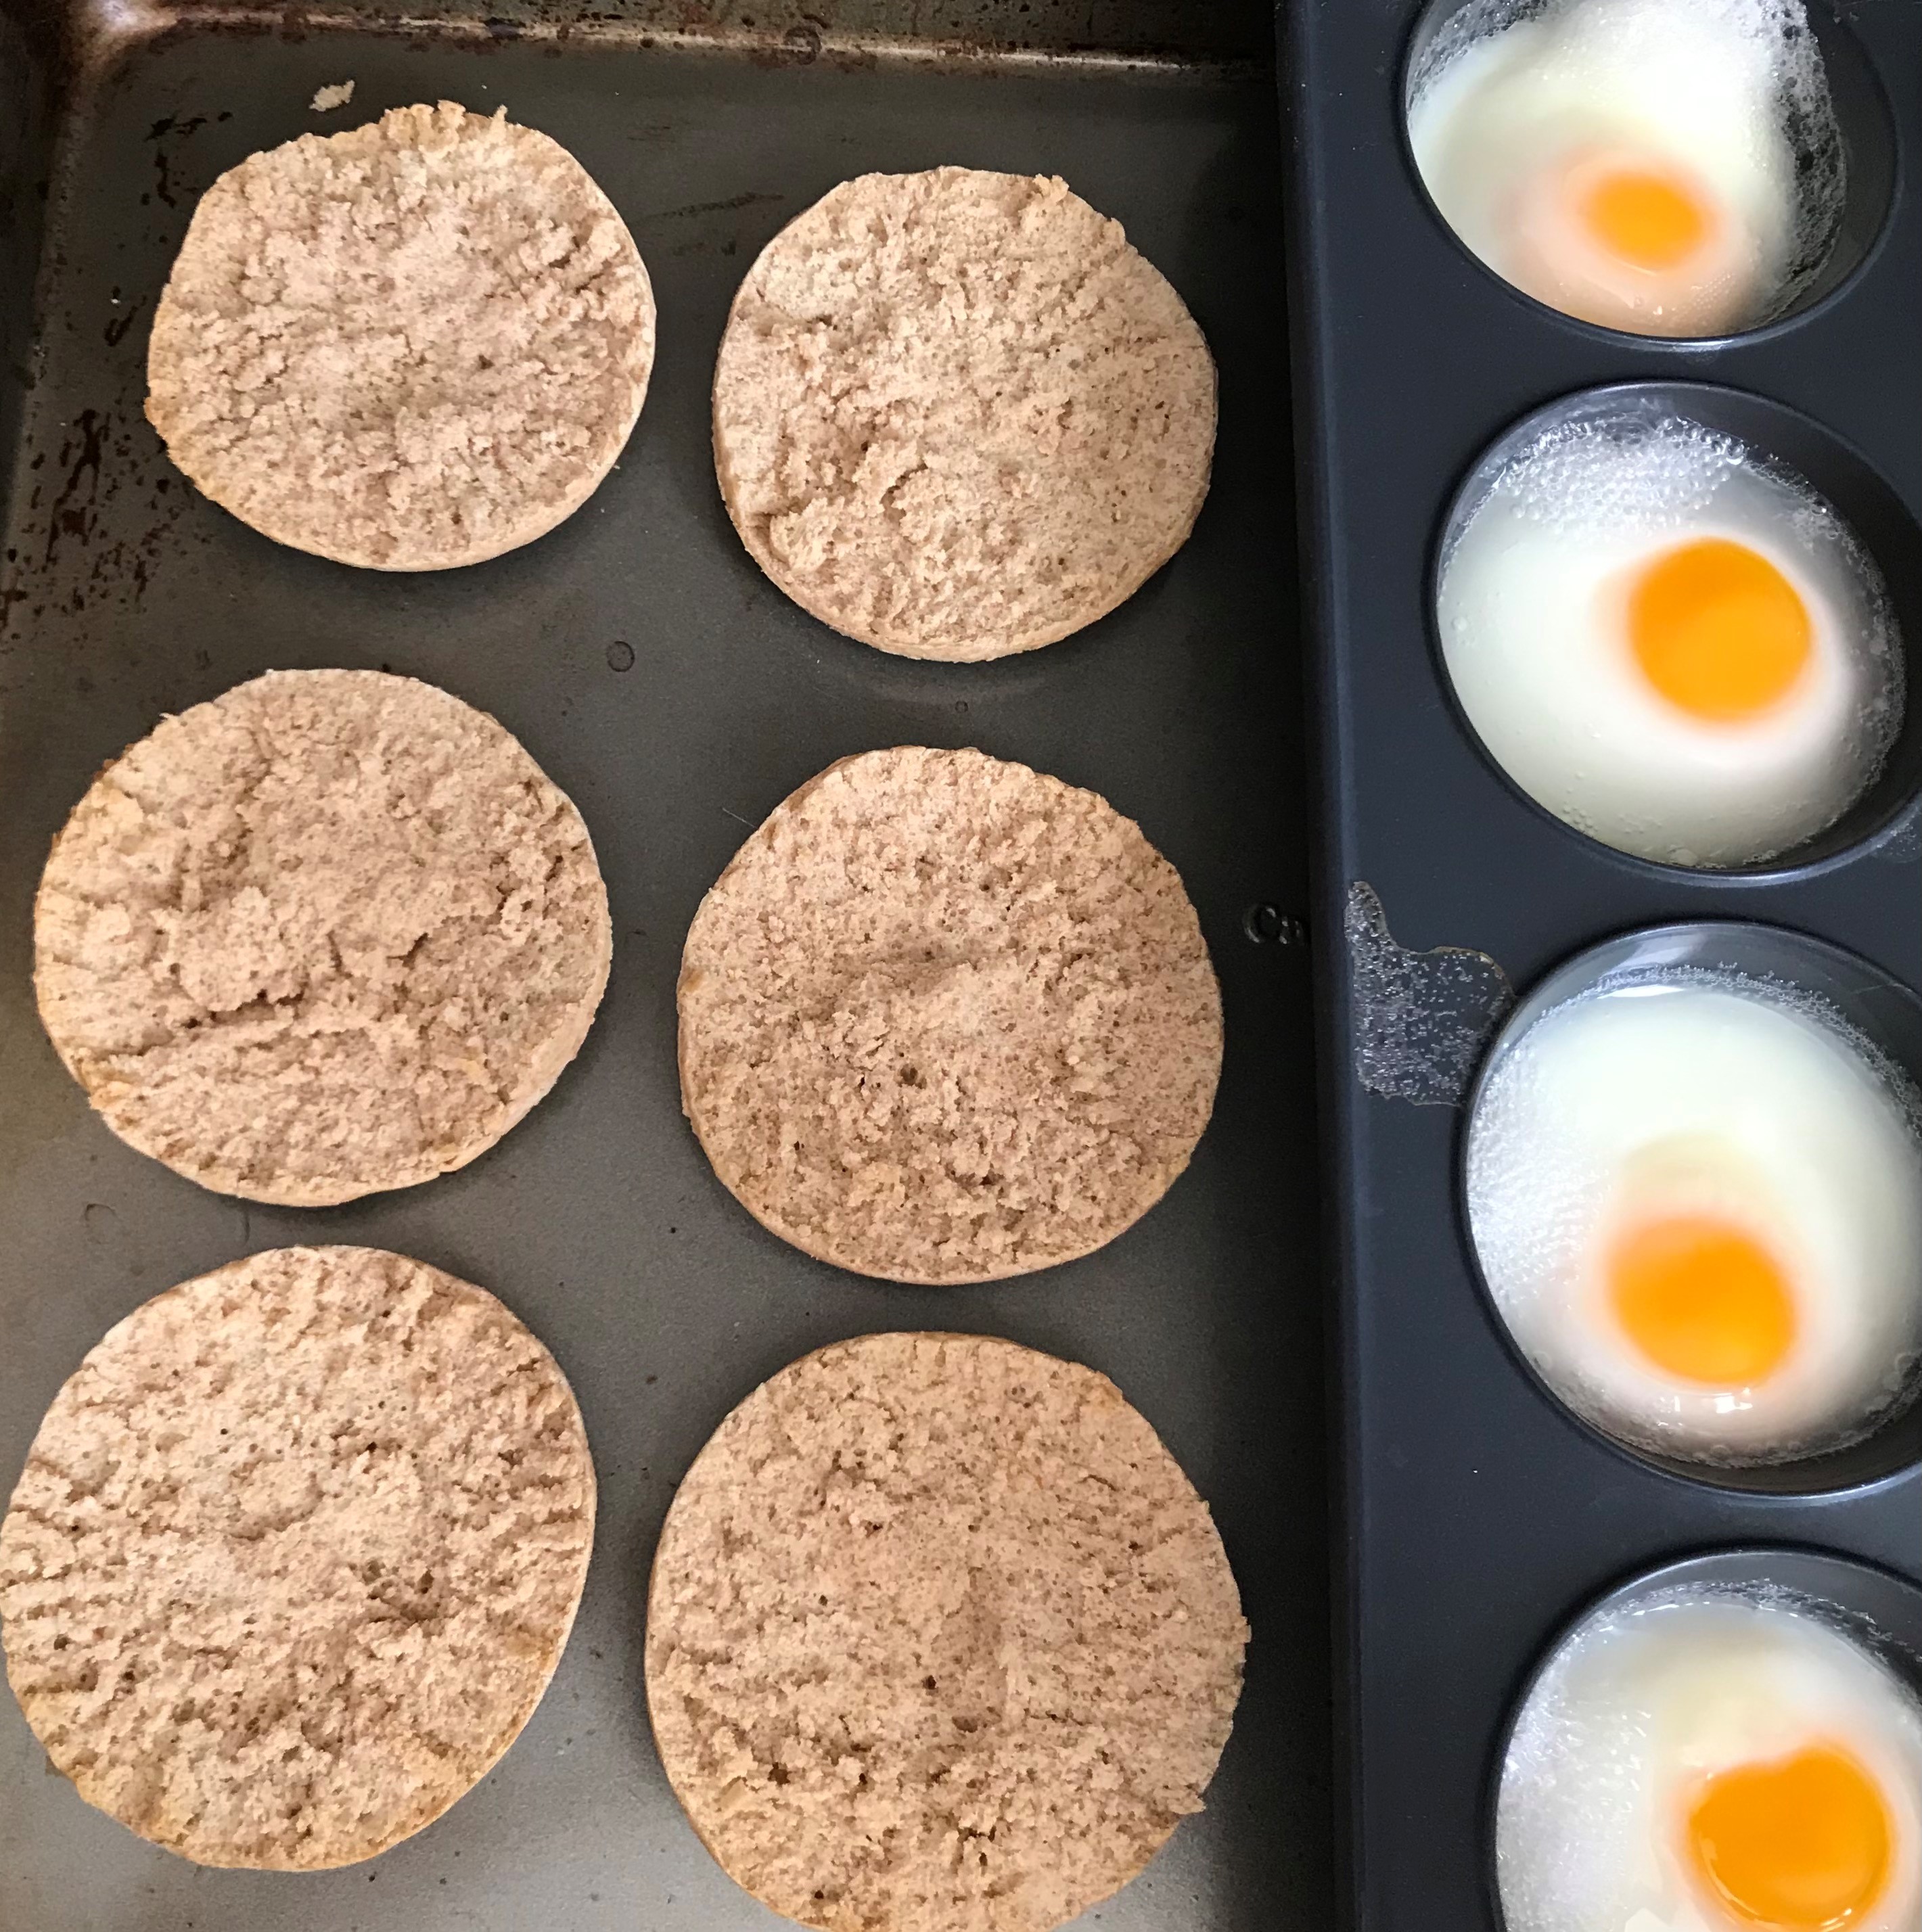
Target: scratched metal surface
648	666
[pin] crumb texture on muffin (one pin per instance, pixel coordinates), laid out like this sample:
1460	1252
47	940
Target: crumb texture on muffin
331	932
945	1019
957	416
295	1553
412	345
940	1639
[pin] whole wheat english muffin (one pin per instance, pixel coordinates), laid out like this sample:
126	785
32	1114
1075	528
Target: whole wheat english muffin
295	1553
939	1640
944	1019
331	932
955	415
413	345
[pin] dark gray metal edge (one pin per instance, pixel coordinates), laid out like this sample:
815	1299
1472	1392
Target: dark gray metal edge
30	68
1327	872
1222	35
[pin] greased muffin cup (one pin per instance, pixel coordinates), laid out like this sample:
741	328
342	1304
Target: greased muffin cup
1876	1022
1869	1610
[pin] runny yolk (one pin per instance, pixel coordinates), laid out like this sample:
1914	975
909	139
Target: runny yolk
1702	1300
1801	1844
1718	630
1647	218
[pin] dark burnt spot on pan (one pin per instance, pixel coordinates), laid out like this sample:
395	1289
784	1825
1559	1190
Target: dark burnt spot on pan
115	331
978	35
166	134
74	510
103	510
733	202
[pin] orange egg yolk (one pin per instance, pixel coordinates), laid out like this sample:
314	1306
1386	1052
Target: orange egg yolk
1644	217
1802	1844
1718	630
1702	1300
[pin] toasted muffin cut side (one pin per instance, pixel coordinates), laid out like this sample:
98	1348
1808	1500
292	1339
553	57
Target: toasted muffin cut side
946	1019
940	1639
956	415
411	345
295	1553
331	932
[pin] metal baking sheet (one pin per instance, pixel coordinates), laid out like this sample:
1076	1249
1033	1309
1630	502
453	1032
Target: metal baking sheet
650	667
1481	1517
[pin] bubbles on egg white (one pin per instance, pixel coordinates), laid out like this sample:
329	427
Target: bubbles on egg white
1630	475
1821	1134
1528	576
1525	64
1640	1700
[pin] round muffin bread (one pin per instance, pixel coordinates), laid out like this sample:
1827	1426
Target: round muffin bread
413	345
955	415
331	932
944	1019
296	1551
940	1639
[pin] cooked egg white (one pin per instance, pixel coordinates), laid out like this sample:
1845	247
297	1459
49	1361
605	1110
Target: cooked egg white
1670	642
1713	1761
1667	167
1696	1201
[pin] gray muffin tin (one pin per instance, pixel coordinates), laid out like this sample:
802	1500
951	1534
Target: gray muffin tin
1479	1514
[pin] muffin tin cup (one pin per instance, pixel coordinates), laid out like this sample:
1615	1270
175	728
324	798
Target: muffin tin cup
1881	1611
1479	1512
1792	441
1888	1017
1864	120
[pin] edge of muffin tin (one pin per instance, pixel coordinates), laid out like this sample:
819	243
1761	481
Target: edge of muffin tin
1393	318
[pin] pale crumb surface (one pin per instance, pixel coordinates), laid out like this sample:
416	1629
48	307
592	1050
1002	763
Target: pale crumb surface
326	99
956	415
945	1019
331	932
296	1551
412	345
939	1640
